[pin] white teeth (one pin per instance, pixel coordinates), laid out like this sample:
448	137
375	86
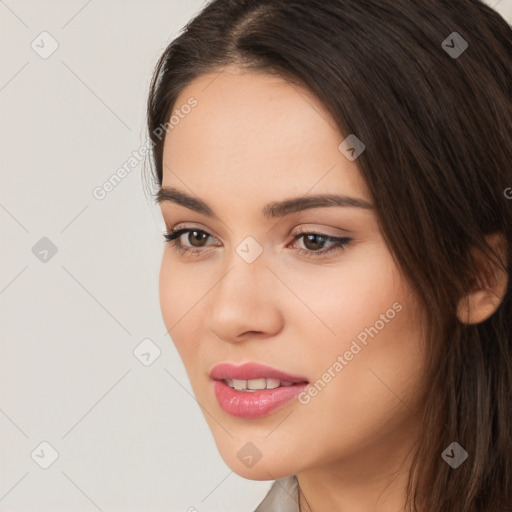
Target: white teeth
239	384
273	383
256	384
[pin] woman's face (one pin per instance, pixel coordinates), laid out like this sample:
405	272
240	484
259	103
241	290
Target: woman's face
337	315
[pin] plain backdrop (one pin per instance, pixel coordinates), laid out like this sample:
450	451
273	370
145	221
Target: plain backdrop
90	419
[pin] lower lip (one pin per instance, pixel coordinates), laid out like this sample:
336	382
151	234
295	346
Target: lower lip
254	404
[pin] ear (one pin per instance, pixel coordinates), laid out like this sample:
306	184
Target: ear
490	284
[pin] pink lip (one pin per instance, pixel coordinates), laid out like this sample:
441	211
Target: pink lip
253	404
249	371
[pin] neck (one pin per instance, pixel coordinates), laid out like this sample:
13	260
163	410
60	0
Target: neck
373	479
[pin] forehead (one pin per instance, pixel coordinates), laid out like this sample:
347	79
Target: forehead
252	133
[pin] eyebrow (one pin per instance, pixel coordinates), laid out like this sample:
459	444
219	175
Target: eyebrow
271	210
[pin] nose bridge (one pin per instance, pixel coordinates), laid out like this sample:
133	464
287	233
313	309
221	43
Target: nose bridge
241	301
245	277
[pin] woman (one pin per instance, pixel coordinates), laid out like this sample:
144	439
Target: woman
333	176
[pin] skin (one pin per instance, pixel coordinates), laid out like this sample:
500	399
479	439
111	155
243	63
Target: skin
251	140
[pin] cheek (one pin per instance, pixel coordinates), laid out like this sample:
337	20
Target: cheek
336	302
181	286
379	380
367	314
178	295
168	286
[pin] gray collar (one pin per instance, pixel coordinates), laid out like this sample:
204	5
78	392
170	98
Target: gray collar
283	496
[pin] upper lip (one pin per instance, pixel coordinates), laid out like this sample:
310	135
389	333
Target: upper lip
249	371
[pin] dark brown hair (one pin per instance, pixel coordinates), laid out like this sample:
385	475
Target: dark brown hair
438	160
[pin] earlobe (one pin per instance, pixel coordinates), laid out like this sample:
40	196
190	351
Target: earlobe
490	284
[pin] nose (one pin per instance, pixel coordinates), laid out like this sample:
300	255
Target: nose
244	304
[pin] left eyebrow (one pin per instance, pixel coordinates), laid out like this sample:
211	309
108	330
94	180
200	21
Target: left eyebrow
271	210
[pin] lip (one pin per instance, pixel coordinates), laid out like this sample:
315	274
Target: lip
253	404
250	371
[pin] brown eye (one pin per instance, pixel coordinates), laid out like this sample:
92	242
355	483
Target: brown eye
194	241
314	242
196	238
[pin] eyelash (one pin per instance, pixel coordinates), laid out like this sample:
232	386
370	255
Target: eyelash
173	236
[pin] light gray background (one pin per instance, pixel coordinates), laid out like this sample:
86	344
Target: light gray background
129	437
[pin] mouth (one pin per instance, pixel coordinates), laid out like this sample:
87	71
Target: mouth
258	384
253	390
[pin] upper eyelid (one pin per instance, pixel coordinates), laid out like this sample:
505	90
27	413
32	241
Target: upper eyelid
186	229
295	236
301	230
318	231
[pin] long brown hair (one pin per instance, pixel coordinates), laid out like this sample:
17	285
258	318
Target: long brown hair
438	161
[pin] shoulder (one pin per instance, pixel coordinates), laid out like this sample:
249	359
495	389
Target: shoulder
283	496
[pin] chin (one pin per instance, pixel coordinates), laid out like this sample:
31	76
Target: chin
244	459
260	471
